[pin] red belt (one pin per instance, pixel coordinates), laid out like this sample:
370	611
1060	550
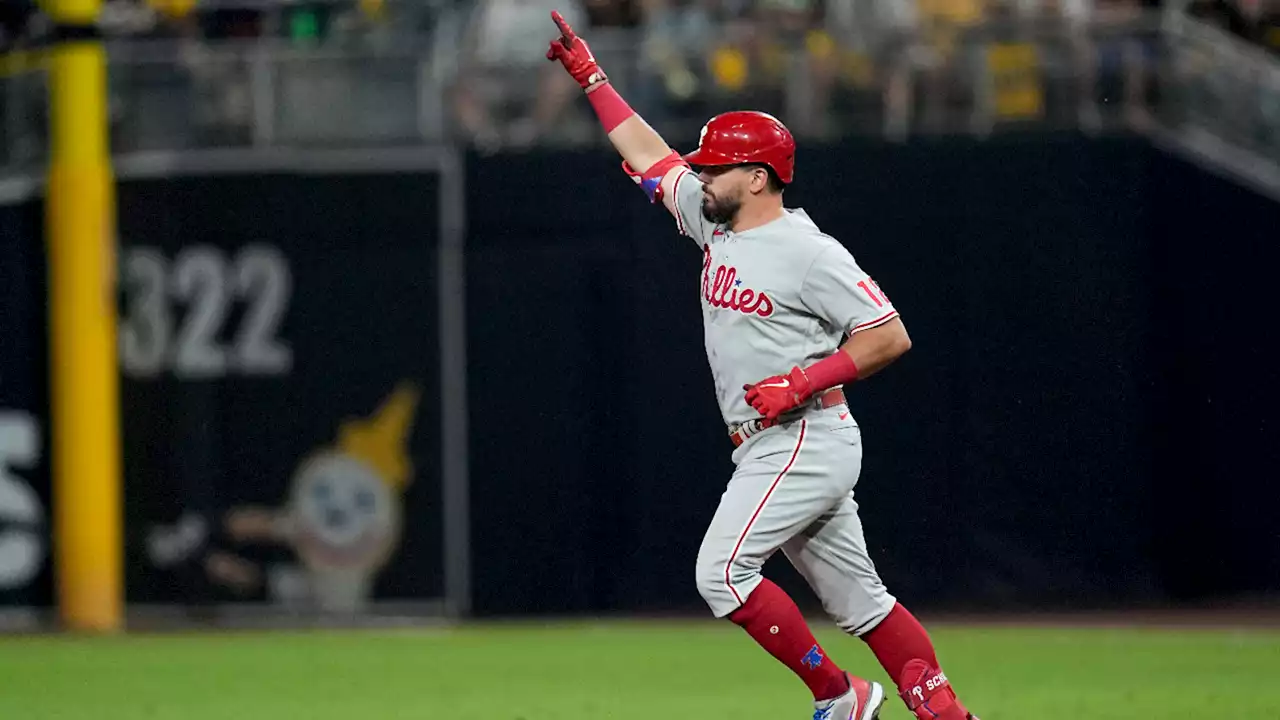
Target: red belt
739	433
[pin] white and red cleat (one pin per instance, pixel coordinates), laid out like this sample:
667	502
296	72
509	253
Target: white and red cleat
862	702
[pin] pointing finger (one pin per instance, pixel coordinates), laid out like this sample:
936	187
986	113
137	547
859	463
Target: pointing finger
565	31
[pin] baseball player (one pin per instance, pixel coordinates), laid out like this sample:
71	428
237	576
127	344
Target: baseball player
789	319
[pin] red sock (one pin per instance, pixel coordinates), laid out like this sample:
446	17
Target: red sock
773	620
899	639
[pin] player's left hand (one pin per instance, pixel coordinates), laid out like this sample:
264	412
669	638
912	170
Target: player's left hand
775	395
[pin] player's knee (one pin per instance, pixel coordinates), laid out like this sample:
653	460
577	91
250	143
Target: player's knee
724	584
861	618
708	574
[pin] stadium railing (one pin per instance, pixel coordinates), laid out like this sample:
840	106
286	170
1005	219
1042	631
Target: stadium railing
1164	70
1223	100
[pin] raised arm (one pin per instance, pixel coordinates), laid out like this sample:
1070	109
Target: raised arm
646	156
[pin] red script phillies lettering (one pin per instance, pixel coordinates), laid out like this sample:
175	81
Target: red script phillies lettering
723	291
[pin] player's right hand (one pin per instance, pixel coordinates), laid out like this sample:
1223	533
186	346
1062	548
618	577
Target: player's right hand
573	53
774	396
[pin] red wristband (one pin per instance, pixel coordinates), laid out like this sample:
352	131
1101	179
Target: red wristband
609	106
829	372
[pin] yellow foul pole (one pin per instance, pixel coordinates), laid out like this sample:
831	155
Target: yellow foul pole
84	384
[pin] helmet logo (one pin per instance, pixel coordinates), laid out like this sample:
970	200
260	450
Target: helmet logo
702	134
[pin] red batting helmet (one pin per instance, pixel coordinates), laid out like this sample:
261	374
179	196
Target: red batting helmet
746	136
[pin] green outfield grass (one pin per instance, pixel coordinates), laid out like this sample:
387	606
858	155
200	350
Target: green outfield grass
632	671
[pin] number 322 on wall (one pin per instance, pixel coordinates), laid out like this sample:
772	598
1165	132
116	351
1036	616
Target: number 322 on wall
209	284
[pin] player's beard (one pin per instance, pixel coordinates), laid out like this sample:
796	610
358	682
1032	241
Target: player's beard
721	211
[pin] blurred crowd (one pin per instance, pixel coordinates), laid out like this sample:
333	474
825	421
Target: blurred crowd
683	58
21	21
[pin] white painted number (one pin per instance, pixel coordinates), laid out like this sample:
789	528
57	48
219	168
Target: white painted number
201	280
198	281
145	333
22	543
263	277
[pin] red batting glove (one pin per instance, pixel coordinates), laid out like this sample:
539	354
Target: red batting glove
573	53
775	395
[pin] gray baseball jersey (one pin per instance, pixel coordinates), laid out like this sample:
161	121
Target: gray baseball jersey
773	297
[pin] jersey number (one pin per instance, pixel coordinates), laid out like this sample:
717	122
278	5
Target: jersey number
877	295
201	278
